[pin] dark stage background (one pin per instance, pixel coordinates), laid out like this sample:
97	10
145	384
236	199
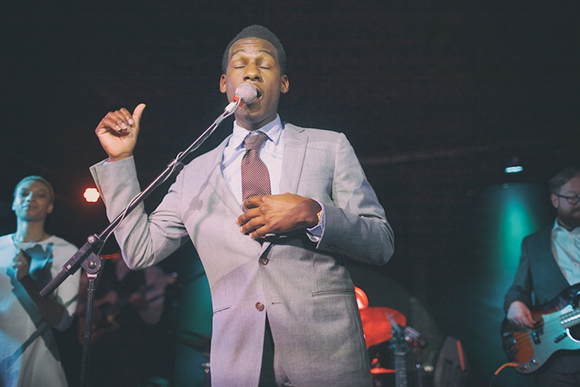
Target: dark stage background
435	96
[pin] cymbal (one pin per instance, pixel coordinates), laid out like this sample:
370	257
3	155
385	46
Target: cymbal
376	324
381	371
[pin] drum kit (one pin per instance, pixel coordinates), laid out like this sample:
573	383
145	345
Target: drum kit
382	325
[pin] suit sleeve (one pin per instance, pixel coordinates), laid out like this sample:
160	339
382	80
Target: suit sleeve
355	221
521	288
143	242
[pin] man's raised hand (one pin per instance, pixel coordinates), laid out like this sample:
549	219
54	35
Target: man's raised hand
118	132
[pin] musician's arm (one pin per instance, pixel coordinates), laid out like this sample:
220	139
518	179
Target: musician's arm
518	298
521	288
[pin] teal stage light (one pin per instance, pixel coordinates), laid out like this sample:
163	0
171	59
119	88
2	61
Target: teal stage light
514	169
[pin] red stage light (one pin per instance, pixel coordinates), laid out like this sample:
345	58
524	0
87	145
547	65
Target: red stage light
91	195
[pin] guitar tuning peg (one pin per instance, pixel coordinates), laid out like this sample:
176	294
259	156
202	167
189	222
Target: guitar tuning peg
415	337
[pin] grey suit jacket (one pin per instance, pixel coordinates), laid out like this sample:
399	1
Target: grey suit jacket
303	287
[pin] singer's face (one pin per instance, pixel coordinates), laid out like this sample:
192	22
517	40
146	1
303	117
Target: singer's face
255	61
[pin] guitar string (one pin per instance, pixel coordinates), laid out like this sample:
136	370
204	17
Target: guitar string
551	327
548	329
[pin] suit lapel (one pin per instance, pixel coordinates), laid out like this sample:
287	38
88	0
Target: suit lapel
293	162
217	181
222	190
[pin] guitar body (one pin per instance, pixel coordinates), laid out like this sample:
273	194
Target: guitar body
556	329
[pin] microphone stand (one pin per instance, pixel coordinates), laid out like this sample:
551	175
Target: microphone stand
96	242
93	267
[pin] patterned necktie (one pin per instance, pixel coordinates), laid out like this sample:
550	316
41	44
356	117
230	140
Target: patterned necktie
255	175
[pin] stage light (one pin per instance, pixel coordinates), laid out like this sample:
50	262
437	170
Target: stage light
514	169
513	165
91	195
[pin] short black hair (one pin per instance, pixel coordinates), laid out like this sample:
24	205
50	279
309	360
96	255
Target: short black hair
562	178
260	32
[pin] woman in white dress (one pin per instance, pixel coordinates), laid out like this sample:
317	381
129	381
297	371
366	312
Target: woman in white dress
29	259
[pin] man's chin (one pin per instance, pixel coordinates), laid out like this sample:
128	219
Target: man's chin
253	119
249	112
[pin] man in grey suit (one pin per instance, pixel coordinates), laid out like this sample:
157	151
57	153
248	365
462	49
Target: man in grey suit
285	311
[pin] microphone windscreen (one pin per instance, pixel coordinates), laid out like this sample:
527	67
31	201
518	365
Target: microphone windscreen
246	92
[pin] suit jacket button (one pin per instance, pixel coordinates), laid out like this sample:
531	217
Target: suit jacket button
264	261
259	306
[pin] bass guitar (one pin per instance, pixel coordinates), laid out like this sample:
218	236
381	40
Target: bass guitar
556	328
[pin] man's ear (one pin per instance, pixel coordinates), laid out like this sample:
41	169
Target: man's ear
223	83
284	84
50	208
555	201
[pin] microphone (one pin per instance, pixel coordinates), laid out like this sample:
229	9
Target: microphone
245	93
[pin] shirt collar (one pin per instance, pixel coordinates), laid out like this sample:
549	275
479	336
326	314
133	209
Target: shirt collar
559	228
272	129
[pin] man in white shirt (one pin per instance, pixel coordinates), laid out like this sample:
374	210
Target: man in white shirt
549	265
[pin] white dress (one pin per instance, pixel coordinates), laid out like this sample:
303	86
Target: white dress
28	352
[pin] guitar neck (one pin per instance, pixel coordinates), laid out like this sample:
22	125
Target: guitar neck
400	370
568	320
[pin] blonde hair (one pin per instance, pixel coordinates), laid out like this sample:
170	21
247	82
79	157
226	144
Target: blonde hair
39	179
